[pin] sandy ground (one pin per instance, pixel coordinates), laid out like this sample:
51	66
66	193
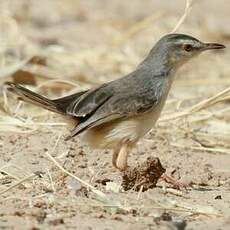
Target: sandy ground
89	42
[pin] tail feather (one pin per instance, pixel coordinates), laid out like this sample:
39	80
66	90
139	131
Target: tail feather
63	102
34	98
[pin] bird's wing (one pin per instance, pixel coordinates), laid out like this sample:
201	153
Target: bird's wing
130	96
113	107
64	102
89	102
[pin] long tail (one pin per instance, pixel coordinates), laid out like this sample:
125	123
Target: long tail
57	106
32	97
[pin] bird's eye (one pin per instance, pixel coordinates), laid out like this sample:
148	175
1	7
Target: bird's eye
187	47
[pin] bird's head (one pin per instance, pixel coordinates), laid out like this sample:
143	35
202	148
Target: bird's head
175	49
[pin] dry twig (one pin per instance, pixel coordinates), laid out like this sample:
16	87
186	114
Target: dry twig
188	7
18	183
219	97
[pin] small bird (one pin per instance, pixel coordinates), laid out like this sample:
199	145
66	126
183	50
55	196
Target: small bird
117	114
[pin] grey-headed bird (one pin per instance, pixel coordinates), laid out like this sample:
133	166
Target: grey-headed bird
117	114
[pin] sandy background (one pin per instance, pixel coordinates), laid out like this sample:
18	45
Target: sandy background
79	44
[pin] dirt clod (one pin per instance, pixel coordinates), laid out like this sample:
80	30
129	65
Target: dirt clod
56	222
144	175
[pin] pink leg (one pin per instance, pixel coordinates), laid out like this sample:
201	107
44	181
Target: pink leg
176	184
120	156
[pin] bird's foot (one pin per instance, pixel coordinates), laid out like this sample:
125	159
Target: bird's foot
175	183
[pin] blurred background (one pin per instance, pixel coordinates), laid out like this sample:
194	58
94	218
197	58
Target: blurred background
90	42
58	47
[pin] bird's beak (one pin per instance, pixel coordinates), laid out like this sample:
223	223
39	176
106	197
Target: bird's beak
212	46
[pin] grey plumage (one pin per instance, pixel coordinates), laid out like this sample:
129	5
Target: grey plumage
130	100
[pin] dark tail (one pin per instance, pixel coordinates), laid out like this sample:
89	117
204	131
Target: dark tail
58	106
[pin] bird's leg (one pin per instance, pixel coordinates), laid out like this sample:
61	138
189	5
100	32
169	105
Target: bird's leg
175	183
121	161
120	156
115	154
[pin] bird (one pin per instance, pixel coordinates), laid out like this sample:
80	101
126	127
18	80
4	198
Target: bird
117	114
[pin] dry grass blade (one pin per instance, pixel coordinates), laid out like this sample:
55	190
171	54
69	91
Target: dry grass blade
53	81
11	121
188	7
210	101
219	97
5	106
18	183
9	174
101	196
196	208
206	149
